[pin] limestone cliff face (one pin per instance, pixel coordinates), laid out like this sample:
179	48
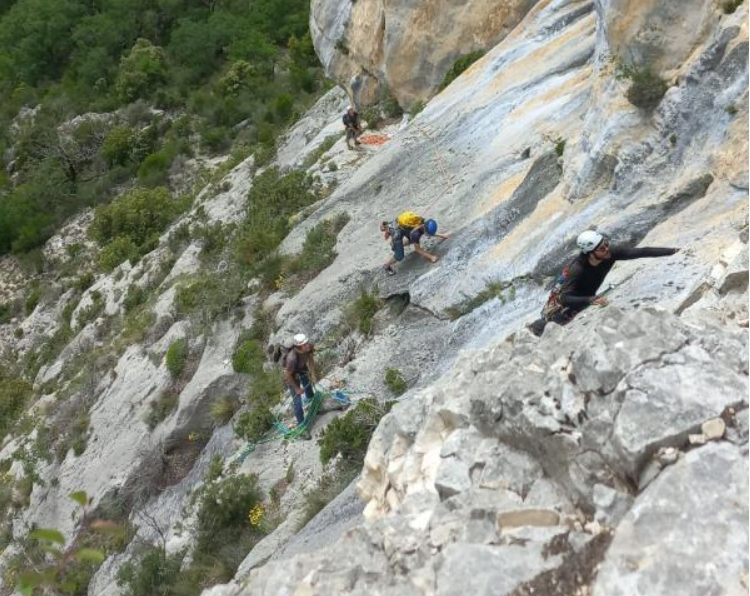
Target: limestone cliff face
660	34
511	463
369	46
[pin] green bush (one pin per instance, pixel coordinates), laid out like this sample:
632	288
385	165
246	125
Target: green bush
161	408
326	489
318	250
273	198
138	215
253	424
503	291
141	71
361	313
176	357
248	357
14	395
646	87
223	409
207	296
222	518
152	573
117	251
117	148
459	66
83	282
350	434
154	169
32	299
395	381
135	296
730	6
89	313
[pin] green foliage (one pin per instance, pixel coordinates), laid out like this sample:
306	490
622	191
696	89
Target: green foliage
83	282
32	299
154	169
208	296
220	63
503	291
730	6
646	87
176	357
732	110
130	226
117	148
135	296
223	409
161	407
89	313
361	312
224	533
47	567
141	71
327	488
137	215
253	424
14	395
559	146
318	252
350	434
153	573
273	198
395	381
118	250
248	357
325	146
459	66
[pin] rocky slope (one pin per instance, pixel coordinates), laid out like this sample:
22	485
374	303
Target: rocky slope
531	461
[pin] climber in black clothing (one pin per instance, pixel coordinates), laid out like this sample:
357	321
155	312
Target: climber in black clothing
577	287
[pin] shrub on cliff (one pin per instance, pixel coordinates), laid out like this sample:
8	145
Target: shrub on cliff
646	87
459	66
350	434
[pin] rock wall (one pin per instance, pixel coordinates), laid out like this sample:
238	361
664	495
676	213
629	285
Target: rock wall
515	470
535	463
372	46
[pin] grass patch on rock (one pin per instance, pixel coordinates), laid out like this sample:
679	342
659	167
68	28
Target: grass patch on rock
503	291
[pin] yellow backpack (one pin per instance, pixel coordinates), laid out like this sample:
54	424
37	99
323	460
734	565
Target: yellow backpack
410	220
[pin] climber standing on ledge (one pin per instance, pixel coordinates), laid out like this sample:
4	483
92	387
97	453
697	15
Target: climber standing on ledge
576	288
352	126
299	373
408	229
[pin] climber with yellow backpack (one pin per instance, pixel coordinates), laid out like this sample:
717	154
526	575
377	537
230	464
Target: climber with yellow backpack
408	229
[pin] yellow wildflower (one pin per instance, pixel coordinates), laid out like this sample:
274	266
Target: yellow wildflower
256	514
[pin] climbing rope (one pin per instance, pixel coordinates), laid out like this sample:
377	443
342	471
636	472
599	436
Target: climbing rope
281	432
449	184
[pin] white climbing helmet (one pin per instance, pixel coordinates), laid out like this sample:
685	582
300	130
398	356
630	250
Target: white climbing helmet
300	339
589	240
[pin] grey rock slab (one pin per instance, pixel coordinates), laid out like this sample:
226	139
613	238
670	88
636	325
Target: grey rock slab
687	533
662	405
483	569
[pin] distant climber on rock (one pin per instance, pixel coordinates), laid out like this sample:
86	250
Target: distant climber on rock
577	286
299	374
353	127
408	229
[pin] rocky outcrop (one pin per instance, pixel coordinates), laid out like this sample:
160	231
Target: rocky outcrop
372	47
515	471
